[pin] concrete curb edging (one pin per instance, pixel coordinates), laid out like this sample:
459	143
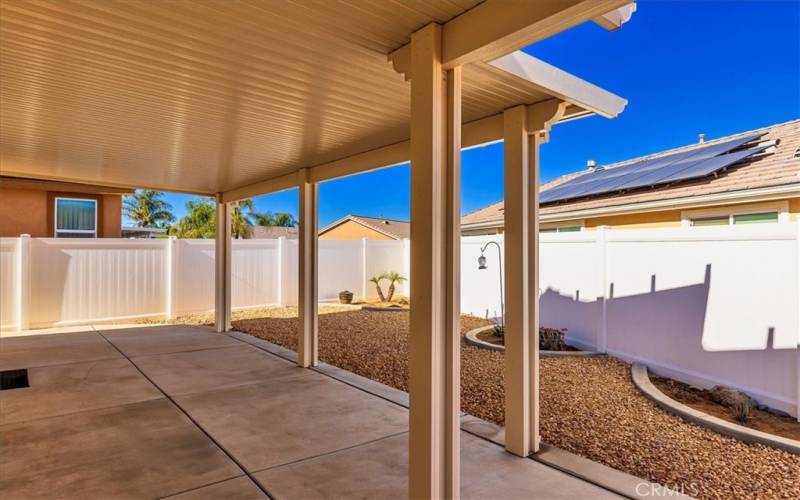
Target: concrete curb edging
641	380
471	338
385	309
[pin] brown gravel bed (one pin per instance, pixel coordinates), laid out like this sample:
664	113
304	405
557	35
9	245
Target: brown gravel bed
589	407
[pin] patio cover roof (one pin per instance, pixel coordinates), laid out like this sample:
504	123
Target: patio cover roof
210	97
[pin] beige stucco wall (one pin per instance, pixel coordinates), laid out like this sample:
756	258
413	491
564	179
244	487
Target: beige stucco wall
349	230
645	220
668	218
794	209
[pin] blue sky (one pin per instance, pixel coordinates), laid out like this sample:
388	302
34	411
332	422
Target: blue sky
685	67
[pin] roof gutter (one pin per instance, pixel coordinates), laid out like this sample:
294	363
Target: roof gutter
715	199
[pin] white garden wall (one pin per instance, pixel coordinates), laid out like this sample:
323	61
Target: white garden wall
704	305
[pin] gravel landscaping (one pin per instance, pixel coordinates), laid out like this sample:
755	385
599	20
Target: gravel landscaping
589	406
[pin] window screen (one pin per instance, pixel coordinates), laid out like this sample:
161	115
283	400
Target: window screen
755	218
76	218
711	221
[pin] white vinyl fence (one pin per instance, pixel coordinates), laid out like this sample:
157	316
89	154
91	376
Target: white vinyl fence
56	282
706	305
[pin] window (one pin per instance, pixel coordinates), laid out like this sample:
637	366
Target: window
711	221
562	229
771	212
75	218
747	218
755	218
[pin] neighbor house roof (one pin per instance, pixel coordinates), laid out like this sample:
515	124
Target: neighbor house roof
779	167
396	229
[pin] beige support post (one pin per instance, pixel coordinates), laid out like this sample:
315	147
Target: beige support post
524	131
534	141
452	286
222	262
307	341
517	318
435	240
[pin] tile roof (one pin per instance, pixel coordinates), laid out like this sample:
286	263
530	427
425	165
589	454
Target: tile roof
781	167
396	229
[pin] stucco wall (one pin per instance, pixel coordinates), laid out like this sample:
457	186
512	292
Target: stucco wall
649	220
350	230
30	211
23	211
653	220
794	209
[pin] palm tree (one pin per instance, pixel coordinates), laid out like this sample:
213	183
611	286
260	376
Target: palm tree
393	278
377	280
268	219
201	219
284	219
147	208
199	222
240	223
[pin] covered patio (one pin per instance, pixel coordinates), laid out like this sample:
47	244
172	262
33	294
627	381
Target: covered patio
235	100
184	412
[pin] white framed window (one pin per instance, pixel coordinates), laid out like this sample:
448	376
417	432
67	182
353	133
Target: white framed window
761	213
75	218
574	226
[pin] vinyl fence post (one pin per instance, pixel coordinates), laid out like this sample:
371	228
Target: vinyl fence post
364	276
279	271
23	282
602	330
797	378
407	265
171	276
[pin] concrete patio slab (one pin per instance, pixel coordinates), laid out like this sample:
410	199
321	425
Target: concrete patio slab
301	417
166	339
92	429
241	488
488	471
200	371
45	350
379	470
374	470
142	450
62	389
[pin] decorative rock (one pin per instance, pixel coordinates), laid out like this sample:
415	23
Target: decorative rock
730	397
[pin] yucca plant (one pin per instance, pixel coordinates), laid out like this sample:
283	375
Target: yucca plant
377	280
393	278
741	410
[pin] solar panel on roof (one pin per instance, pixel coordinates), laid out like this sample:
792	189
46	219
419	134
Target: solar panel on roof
674	169
712	165
649	172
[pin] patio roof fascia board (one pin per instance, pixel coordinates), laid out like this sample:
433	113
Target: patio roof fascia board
474	134
64	187
614	19
99	183
494	29
561	84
